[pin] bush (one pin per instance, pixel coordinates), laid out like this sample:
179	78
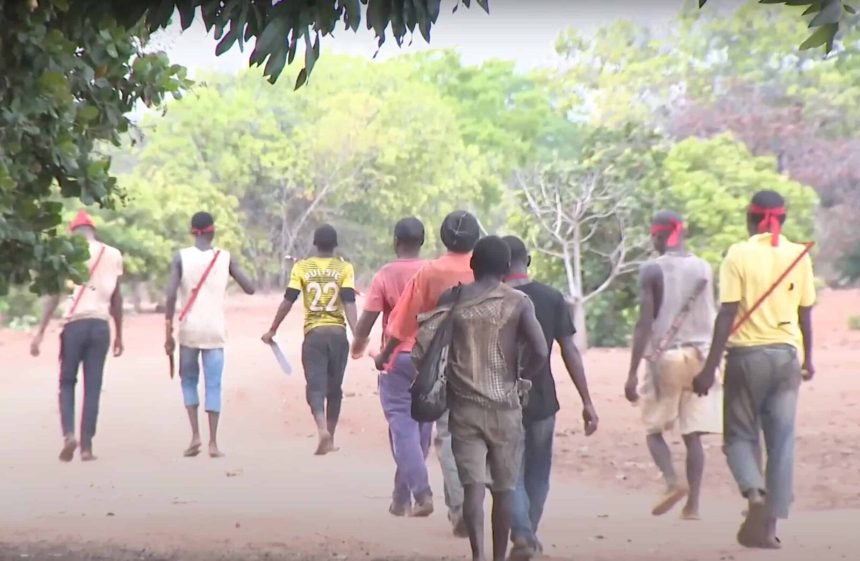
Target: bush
854	323
19	309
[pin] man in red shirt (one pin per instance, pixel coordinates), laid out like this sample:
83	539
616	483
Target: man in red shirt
410	440
459	233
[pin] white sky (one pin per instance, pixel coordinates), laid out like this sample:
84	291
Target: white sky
521	30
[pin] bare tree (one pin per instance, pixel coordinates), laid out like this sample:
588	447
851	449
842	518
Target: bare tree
585	219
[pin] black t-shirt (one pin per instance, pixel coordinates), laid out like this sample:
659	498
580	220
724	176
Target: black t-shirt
553	314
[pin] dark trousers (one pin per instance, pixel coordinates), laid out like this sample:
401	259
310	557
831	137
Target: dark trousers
83	341
325	352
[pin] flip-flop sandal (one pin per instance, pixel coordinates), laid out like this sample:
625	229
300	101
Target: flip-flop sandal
192	451
669	500
690	516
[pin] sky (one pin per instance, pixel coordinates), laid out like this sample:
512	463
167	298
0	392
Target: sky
524	31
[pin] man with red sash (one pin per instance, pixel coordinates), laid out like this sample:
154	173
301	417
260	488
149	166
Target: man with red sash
767	290
199	275
676	316
85	338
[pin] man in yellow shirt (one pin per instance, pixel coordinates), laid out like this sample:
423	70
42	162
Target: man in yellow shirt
763	369
327	286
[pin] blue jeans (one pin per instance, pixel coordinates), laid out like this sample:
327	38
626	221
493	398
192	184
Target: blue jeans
760	395
533	482
189	373
410	440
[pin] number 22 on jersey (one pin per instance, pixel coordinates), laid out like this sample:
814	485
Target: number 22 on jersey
323	297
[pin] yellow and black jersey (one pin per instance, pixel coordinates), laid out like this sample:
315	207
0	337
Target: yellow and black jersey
324	283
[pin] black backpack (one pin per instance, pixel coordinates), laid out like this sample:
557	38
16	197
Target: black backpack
430	354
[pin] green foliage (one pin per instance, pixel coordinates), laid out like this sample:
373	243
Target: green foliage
281	29
19	308
64	88
854	323
710	183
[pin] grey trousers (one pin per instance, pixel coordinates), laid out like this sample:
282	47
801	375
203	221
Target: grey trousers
450	475
760	395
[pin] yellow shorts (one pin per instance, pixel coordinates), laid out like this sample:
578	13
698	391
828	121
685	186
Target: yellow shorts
667	400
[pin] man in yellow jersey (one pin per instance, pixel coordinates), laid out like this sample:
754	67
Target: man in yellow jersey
766	345
326	284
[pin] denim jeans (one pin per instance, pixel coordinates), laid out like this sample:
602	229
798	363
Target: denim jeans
533	482
761	389
82	342
410	440
189	373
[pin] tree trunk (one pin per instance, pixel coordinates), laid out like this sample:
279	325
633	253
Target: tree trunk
581	338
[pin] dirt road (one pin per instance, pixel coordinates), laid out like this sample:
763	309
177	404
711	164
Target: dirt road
269	498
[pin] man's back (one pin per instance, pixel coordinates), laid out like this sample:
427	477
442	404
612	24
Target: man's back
320	280
388	285
423	292
553	315
204	327
681	273
483	358
748	271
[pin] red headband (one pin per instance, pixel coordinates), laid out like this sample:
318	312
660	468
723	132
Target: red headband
674	227
769	222
207	230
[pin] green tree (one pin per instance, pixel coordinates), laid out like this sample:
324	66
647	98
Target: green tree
65	88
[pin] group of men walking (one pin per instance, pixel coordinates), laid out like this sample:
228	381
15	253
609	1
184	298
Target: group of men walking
498	430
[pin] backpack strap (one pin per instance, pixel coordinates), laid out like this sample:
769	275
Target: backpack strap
676	324
187	307
80	293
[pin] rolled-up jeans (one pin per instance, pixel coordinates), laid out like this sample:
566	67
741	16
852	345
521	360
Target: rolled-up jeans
533	482
450	475
760	395
410	440
189	372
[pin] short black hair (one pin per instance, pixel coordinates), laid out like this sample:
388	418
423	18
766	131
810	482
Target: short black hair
491	257
201	221
325	238
410	231
460	231
519	252
666	217
766	200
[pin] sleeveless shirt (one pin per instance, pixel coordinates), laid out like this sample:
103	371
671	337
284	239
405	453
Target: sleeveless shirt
204	326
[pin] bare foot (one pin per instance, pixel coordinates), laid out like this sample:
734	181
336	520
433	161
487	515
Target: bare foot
325	445
214	452
193	448
753	531
672	497
69	447
690	513
87	456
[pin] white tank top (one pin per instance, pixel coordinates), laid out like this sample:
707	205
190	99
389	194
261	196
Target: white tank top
681	273
204	326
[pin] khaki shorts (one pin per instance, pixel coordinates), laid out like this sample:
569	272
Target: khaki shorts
672	402
487	444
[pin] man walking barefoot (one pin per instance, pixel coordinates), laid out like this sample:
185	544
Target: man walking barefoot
326	284
553	314
410	440
199	275
85	338
459	233
676	314
767	290
491	322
